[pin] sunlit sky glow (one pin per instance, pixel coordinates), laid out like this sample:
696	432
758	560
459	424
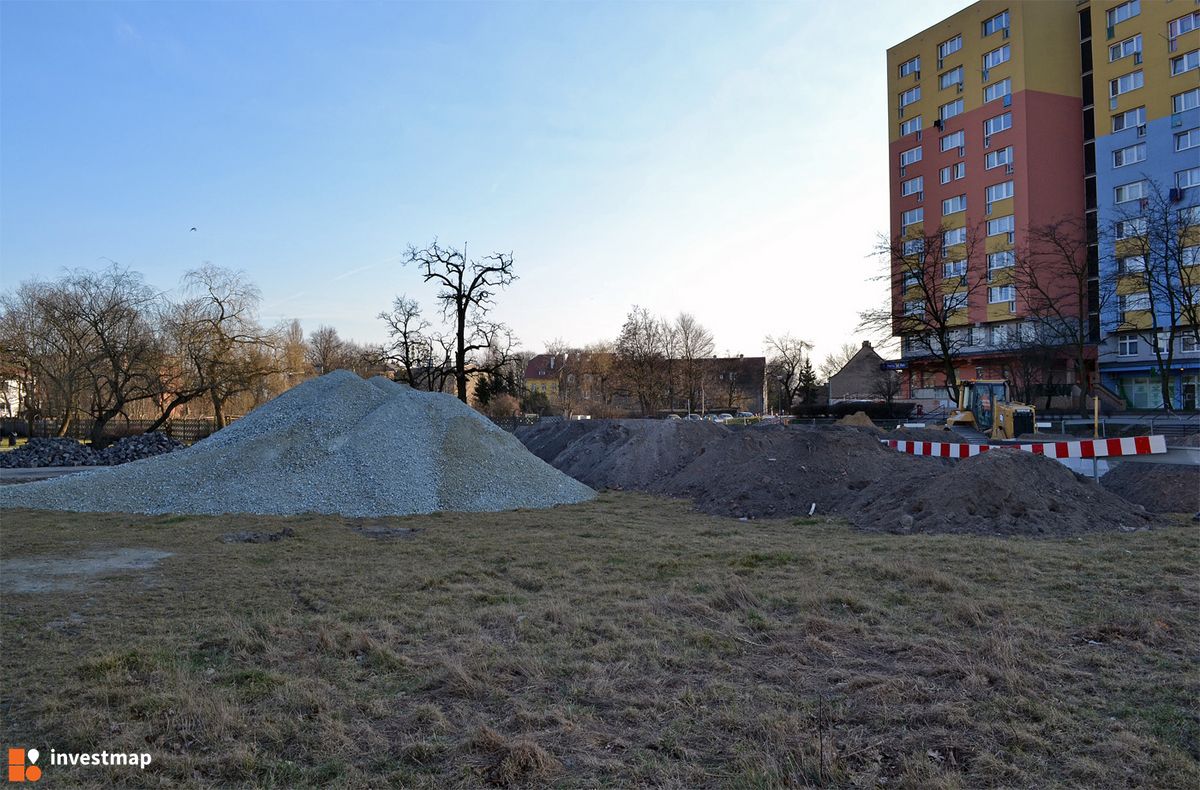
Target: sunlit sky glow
727	159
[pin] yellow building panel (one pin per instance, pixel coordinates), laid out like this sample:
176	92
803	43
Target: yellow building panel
999	312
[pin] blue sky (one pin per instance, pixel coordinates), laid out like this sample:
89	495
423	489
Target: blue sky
727	159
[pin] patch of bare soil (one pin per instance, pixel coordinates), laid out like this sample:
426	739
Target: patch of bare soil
1161	488
56	574
1006	492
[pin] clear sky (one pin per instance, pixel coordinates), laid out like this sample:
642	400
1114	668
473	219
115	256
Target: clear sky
727	159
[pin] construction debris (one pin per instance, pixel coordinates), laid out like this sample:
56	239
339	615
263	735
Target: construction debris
337	445
39	453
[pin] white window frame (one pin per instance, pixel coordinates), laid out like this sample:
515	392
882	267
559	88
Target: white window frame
997	56
1121	50
997	90
999	294
1000	334
1126	193
1188	61
1003	259
997	124
953	205
1122	158
997	23
954	236
1186	179
1128	304
914	307
1139	119
950	109
912	186
909	280
1187	139
910	96
1131	264
998	158
1124	11
952	77
1188	344
913	247
1001	225
1191	255
952	269
910	66
1130	228
953	302
953	140
997	192
950	46
1188	100
1126	83
911	126
1127	345
912	217
910	157
1184	24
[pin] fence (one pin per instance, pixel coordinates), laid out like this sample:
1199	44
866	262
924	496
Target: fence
187	430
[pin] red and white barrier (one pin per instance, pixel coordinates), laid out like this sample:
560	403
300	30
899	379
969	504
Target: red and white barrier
1086	448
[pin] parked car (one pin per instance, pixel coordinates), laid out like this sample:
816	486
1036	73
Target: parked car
722	417
694	418
674	417
745	414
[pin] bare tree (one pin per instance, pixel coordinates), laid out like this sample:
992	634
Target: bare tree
641	353
411	347
467	293
694	344
887	387
1156	273
837	360
786	358
932	288
1051	273
326	350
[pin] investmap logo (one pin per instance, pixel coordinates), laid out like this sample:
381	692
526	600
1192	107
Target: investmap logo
23	763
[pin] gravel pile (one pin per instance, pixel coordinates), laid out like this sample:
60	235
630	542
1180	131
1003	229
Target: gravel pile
337	445
39	453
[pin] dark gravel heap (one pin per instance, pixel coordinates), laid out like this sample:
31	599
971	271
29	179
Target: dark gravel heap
135	448
48	452
39	453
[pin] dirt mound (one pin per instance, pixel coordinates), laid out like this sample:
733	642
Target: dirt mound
1161	488
1005	492
335	444
924	435
778	470
858	418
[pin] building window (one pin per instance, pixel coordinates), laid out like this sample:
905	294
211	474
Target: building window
954	236
1000	225
1127	192
998	22
1001	156
1188	139
912	186
998	124
948	48
1191	257
910	96
1129	119
1129	155
954	269
911	66
1127	346
1188	178
1186	62
954	301
955	140
953	172
915	307
997	56
1184	24
914	247
1188	100
1000	334
1000	260
1000	191
910	126
954	205
1134	302
1131	264
1126	83
952	77
1188	345
911	217
910	280
1189	217
1124	49
950	109
911	156
997	90
1129	228
1124	11
998	294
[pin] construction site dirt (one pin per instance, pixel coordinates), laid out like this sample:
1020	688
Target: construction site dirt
776	471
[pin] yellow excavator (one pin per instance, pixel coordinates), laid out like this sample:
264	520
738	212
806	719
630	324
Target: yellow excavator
984	406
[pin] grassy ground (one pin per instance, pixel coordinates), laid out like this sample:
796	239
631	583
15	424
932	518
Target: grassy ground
628	641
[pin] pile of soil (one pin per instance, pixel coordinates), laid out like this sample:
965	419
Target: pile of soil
858	418
924	435
1003	491
778	471
1161	488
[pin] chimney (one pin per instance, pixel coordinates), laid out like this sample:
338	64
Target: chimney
866	344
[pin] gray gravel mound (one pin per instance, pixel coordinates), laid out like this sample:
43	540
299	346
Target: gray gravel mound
337	445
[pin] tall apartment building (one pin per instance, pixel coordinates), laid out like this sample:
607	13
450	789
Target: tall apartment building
1000	121
1141	79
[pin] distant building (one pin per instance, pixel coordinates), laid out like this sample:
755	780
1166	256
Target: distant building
858	379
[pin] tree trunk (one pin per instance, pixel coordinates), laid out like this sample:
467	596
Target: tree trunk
460	356
63	427
218	412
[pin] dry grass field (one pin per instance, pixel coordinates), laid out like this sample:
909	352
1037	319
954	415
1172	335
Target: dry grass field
628	641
